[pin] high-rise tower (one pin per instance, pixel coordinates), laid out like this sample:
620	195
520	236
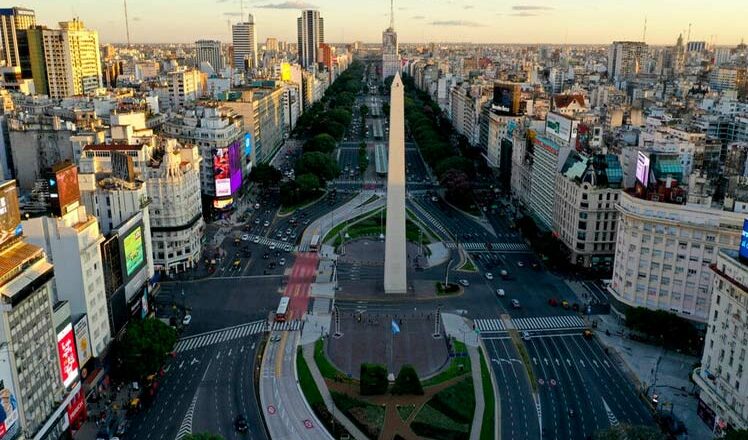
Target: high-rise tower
395	275
311	32
390	57
244	38
15	50
210	52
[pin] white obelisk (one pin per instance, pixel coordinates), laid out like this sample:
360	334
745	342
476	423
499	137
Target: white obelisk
395	281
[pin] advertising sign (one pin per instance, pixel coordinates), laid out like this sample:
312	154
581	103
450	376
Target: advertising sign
642	168
561	127
134	252
221	172
285	72
247	144
67	353
744	241
76	409
10	216
63	188
9	425
235	165
82	340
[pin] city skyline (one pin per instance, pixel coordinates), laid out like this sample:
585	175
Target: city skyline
478	21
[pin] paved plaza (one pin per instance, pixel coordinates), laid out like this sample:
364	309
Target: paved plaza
367	337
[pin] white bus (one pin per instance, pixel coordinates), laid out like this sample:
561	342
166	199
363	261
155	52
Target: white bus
314	244
280	314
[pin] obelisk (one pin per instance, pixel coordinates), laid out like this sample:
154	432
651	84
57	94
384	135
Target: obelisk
395	280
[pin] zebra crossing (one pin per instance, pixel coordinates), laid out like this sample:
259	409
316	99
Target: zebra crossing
431	220
536	323
265	241
231	333
489	325
500	247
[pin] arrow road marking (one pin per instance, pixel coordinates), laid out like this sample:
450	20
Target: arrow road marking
194	361
181	364
611	417
557	363
595	362
230	351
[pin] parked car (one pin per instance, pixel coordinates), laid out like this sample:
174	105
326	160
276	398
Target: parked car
464	282
187	319
500	293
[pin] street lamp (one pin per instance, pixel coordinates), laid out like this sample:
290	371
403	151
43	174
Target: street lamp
446	275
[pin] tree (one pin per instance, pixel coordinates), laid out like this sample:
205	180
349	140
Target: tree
339	115
324	143
373	379
664	328
364	109
202	436
319	164
143	348
265	174
308	184
458	187
407	382
455	163
386	109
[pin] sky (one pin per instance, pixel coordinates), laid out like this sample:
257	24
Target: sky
481	21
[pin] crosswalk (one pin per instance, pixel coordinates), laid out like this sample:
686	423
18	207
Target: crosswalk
287	326
536	323
433	222
218	336
265	241
499	247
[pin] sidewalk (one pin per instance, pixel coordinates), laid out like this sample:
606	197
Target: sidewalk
349	210
308	352
109	409
659	371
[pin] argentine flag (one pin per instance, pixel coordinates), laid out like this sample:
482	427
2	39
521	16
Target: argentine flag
395	328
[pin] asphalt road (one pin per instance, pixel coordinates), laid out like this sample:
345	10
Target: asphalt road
203	391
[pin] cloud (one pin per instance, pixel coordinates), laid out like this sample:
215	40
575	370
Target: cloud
468	7
232	14
524	14
418	17
456	23
288	5
531	8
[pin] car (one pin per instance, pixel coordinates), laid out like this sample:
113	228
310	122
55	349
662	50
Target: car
464	282
282	262
240	423
500	293
237	262
553	302
256	240
565	304
489	276
526	335
245	237
587	333
257	221
515	304
279	234
434	199
266	223
285	238
288	248
265	256
520	264
272	246
288	231
187	319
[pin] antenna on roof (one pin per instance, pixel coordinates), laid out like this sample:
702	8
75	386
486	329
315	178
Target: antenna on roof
644	34
392	14
127	25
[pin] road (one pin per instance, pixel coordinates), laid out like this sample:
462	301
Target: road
286	413
203	390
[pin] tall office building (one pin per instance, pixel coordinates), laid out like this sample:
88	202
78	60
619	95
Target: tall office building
244	38
70	58
311	32
390	57
15	50
209	51
625	59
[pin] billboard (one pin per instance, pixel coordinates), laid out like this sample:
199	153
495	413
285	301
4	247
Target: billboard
221	172
63	188
247	144
68	357
76	409
642	168
235	165
10	215
561	127
9	425
285	72
506	96
744	241
134	250
82	340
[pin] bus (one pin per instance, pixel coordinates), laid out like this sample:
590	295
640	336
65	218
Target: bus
280	314
314	244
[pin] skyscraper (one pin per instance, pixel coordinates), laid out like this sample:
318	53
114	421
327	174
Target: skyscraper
244	37
210	52
71	58
625	59
311	32
15	50
390	57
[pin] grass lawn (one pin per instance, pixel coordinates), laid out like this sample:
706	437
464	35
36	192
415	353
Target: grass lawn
487	425
326	368
405	411
453	370
468	266
306	381
369	418
457	401
452	289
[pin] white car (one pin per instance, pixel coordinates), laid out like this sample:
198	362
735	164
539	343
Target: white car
272	246
187	319
266	223
464	282
520	264
245	237
526	335
256	240
500	293
282	262
489	276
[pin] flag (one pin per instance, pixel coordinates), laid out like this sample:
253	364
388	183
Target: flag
395	328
